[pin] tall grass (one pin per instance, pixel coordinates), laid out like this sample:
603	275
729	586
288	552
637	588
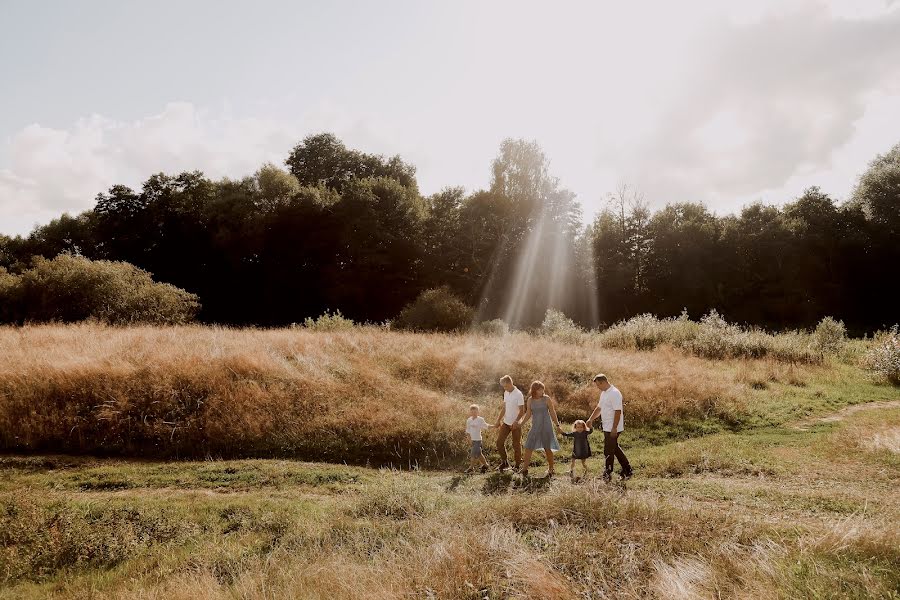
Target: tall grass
715	338
357	395
884	357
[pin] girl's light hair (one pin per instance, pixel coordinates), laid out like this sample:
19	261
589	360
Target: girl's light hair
535	385
579	422
475	406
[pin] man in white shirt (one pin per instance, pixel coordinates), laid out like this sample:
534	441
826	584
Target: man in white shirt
612	417
508	422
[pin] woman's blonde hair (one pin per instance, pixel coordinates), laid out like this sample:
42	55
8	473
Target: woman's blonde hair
535	385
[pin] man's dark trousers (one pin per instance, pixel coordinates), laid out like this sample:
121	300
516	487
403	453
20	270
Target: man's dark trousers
612	451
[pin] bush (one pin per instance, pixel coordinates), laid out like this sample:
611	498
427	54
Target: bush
884	357
437	309
73	288
715	337
646	332
560	327
328	322
497	327
9	301
718	339
830	335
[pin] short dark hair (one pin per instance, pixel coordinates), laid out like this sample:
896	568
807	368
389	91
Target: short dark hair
600	377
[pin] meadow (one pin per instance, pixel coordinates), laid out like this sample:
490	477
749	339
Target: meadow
197	462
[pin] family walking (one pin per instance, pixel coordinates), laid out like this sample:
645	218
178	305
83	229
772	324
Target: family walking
539	408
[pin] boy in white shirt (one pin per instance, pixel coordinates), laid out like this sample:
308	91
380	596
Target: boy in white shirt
474	426
609	408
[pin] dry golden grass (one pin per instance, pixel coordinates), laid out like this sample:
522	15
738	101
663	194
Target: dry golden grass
360	395
740	492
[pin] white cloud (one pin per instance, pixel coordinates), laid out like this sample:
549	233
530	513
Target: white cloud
702	102
767	102
62	170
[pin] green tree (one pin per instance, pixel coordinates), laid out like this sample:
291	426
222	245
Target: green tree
322	159
878	191
73	288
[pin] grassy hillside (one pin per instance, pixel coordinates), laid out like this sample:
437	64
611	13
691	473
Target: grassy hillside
755	478
363	396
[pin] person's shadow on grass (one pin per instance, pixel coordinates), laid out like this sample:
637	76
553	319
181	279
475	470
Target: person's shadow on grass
456	480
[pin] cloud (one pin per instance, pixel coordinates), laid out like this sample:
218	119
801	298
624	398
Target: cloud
56	170
700	104
62	170
767	100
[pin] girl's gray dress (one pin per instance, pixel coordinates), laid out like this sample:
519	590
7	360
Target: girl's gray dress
542	434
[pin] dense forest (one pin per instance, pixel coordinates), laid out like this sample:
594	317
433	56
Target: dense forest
340	229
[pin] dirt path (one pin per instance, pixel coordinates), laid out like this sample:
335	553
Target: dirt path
845	412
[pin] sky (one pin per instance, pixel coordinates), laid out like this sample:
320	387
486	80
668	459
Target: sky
719	102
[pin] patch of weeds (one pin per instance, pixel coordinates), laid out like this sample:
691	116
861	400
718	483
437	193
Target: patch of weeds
497	483
397	499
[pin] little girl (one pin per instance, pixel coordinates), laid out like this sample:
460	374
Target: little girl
581	450
474	425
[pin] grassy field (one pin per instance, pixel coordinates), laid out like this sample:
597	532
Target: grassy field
755	478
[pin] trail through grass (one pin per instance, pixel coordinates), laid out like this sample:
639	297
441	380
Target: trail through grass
755	478
773	513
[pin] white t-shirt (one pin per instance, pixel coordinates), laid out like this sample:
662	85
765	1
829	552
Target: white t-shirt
474	425
610	402
512	400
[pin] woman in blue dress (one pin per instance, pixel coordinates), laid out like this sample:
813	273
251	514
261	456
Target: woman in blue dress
544	425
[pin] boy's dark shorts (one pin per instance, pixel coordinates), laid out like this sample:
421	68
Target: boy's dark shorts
476	449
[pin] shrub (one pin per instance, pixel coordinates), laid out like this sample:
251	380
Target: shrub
73	288
830	335
9	301
715	337
718	339
884	357
646	332
558	326
437	309
328	322
497	327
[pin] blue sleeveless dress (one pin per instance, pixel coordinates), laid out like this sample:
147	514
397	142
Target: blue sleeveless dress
542	434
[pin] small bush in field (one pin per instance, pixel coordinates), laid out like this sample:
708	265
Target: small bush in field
560	327
437	309
718	339
884	358
497	327
328	322
9	296
830	335
715	337
73	288
646	332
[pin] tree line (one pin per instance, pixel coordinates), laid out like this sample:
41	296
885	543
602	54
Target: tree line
340	229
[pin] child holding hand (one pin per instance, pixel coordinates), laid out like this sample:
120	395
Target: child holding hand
581	450
475	424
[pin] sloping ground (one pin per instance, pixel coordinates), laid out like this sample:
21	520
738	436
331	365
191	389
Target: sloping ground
365	396
844	413
732	498
773	513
